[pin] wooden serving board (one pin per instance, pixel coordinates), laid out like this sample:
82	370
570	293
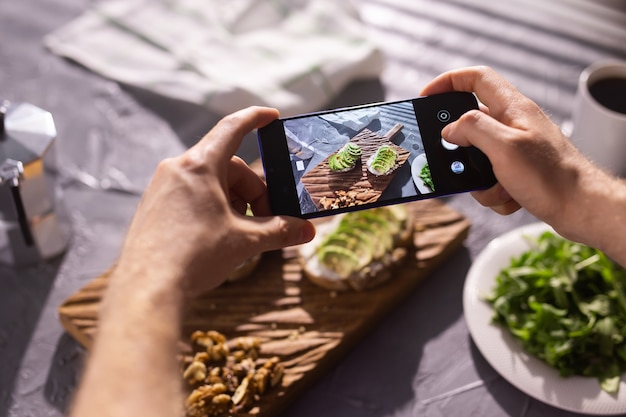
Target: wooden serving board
308	327
321	182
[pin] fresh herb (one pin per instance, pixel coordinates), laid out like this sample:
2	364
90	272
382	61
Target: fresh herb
566	303
427	177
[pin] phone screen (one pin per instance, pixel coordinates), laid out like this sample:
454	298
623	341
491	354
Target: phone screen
367	156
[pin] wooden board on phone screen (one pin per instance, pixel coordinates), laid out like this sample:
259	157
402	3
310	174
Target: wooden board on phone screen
324	184
308	327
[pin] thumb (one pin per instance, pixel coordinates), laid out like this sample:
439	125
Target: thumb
479	129
278	232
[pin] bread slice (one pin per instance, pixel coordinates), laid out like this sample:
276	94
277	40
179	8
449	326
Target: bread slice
358	250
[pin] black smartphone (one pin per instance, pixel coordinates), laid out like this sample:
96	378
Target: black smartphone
366	156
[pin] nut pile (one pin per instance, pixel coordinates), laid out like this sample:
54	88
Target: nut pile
342	199
226	381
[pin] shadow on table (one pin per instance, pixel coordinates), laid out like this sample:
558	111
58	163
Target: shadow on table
377	377
65	370
190	122
22	300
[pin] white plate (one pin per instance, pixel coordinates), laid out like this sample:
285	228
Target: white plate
504	353
416	167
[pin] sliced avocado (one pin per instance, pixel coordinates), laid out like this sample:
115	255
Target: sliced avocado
361	237
360	226
388	216
380	218
338	258
332	162
399	212
342	160
384	228
357	241
377	236
345	157
342	163
342	239
353	150
354	226
379	167
384	159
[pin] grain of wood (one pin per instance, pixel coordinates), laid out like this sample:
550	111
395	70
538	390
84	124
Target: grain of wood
322	182
311	331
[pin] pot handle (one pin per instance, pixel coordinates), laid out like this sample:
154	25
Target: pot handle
10	172
21	215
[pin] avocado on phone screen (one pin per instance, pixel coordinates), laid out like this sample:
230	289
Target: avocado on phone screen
367	156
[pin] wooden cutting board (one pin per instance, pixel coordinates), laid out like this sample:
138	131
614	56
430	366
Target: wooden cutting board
323	183
308	327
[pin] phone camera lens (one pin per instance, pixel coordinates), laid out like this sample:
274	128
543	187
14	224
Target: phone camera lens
443	116
457	167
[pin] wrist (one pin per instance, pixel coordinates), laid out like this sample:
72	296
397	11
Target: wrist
142	288
138	330
608	218
596	214
156	279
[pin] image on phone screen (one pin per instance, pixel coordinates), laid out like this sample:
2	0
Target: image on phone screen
368	156
357	157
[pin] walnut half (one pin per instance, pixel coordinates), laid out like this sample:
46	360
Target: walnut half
224	382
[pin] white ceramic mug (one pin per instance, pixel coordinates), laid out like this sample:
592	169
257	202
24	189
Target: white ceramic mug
600	131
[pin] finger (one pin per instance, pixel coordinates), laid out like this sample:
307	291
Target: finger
239	205
491	197
507	208
481	130
498	199
225	138
246	186
261	206
276	232
491	88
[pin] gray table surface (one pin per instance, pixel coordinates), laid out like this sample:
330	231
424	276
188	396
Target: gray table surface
420	361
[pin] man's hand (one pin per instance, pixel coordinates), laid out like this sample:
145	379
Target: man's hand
190	231
192	215
537	167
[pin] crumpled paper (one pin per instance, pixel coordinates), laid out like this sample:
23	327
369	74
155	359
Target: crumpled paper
225	55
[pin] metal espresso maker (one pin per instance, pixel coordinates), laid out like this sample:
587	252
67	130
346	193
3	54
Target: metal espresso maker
29	228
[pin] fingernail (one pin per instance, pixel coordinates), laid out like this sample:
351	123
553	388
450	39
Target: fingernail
307	232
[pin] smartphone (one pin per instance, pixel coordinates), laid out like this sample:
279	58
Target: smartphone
355	158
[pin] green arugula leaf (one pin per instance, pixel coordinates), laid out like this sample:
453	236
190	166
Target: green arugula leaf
566	303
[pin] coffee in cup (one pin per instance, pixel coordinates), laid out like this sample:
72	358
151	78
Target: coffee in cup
599	117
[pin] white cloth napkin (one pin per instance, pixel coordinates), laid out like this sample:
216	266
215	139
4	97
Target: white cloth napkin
294	55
